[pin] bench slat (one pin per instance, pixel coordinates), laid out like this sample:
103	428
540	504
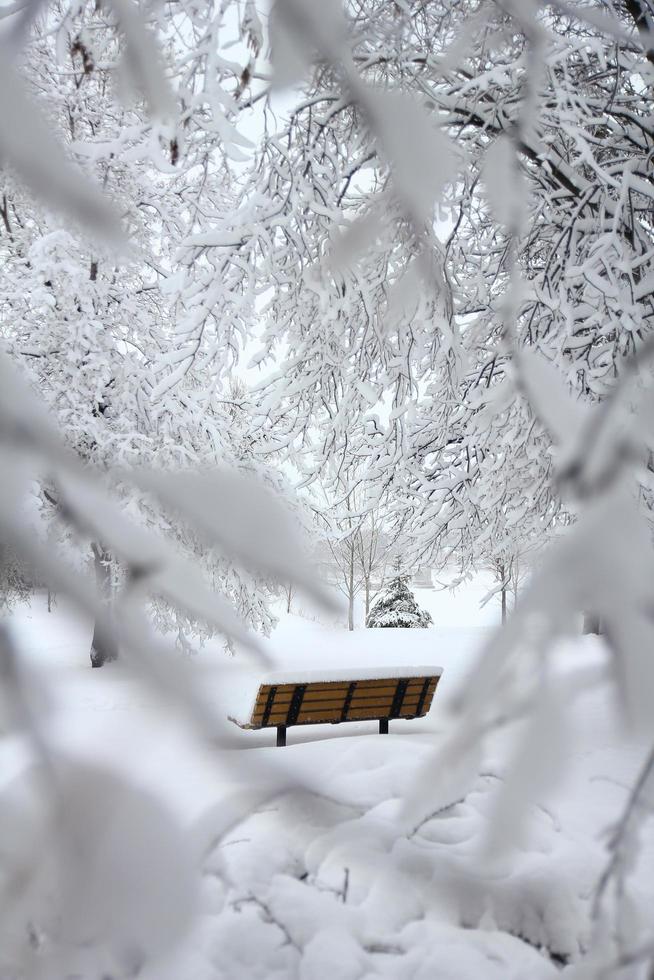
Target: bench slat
334	686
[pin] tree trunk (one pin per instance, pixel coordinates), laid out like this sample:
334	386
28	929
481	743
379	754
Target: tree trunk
103	647
350	595
592	623
367	599
502	577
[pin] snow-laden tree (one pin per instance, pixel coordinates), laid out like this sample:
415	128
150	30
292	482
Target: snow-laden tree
382	316
522	340
549	193
89	327
89	303
352	512
397	607
373	554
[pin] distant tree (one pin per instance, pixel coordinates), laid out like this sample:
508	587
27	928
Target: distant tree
353	506
288	589
15	584
397	607
510	570
342	544
339	509
371	555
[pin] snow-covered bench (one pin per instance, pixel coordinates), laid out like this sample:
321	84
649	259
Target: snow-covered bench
332	697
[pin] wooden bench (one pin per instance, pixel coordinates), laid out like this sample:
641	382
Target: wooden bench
332	698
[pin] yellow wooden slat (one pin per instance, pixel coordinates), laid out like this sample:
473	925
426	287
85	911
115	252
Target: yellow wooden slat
324	714
313	686
369	698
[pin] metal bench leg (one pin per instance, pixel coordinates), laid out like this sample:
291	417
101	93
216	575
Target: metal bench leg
383	726
281	735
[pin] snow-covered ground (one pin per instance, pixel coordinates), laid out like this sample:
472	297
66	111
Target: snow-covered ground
326	878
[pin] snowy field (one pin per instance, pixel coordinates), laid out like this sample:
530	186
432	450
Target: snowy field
327	877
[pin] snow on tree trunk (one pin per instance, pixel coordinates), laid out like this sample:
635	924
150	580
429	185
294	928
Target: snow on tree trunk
103	650
397	607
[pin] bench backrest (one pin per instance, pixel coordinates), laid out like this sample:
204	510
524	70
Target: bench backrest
335	701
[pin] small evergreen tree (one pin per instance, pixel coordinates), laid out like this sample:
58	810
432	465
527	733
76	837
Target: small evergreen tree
397	607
